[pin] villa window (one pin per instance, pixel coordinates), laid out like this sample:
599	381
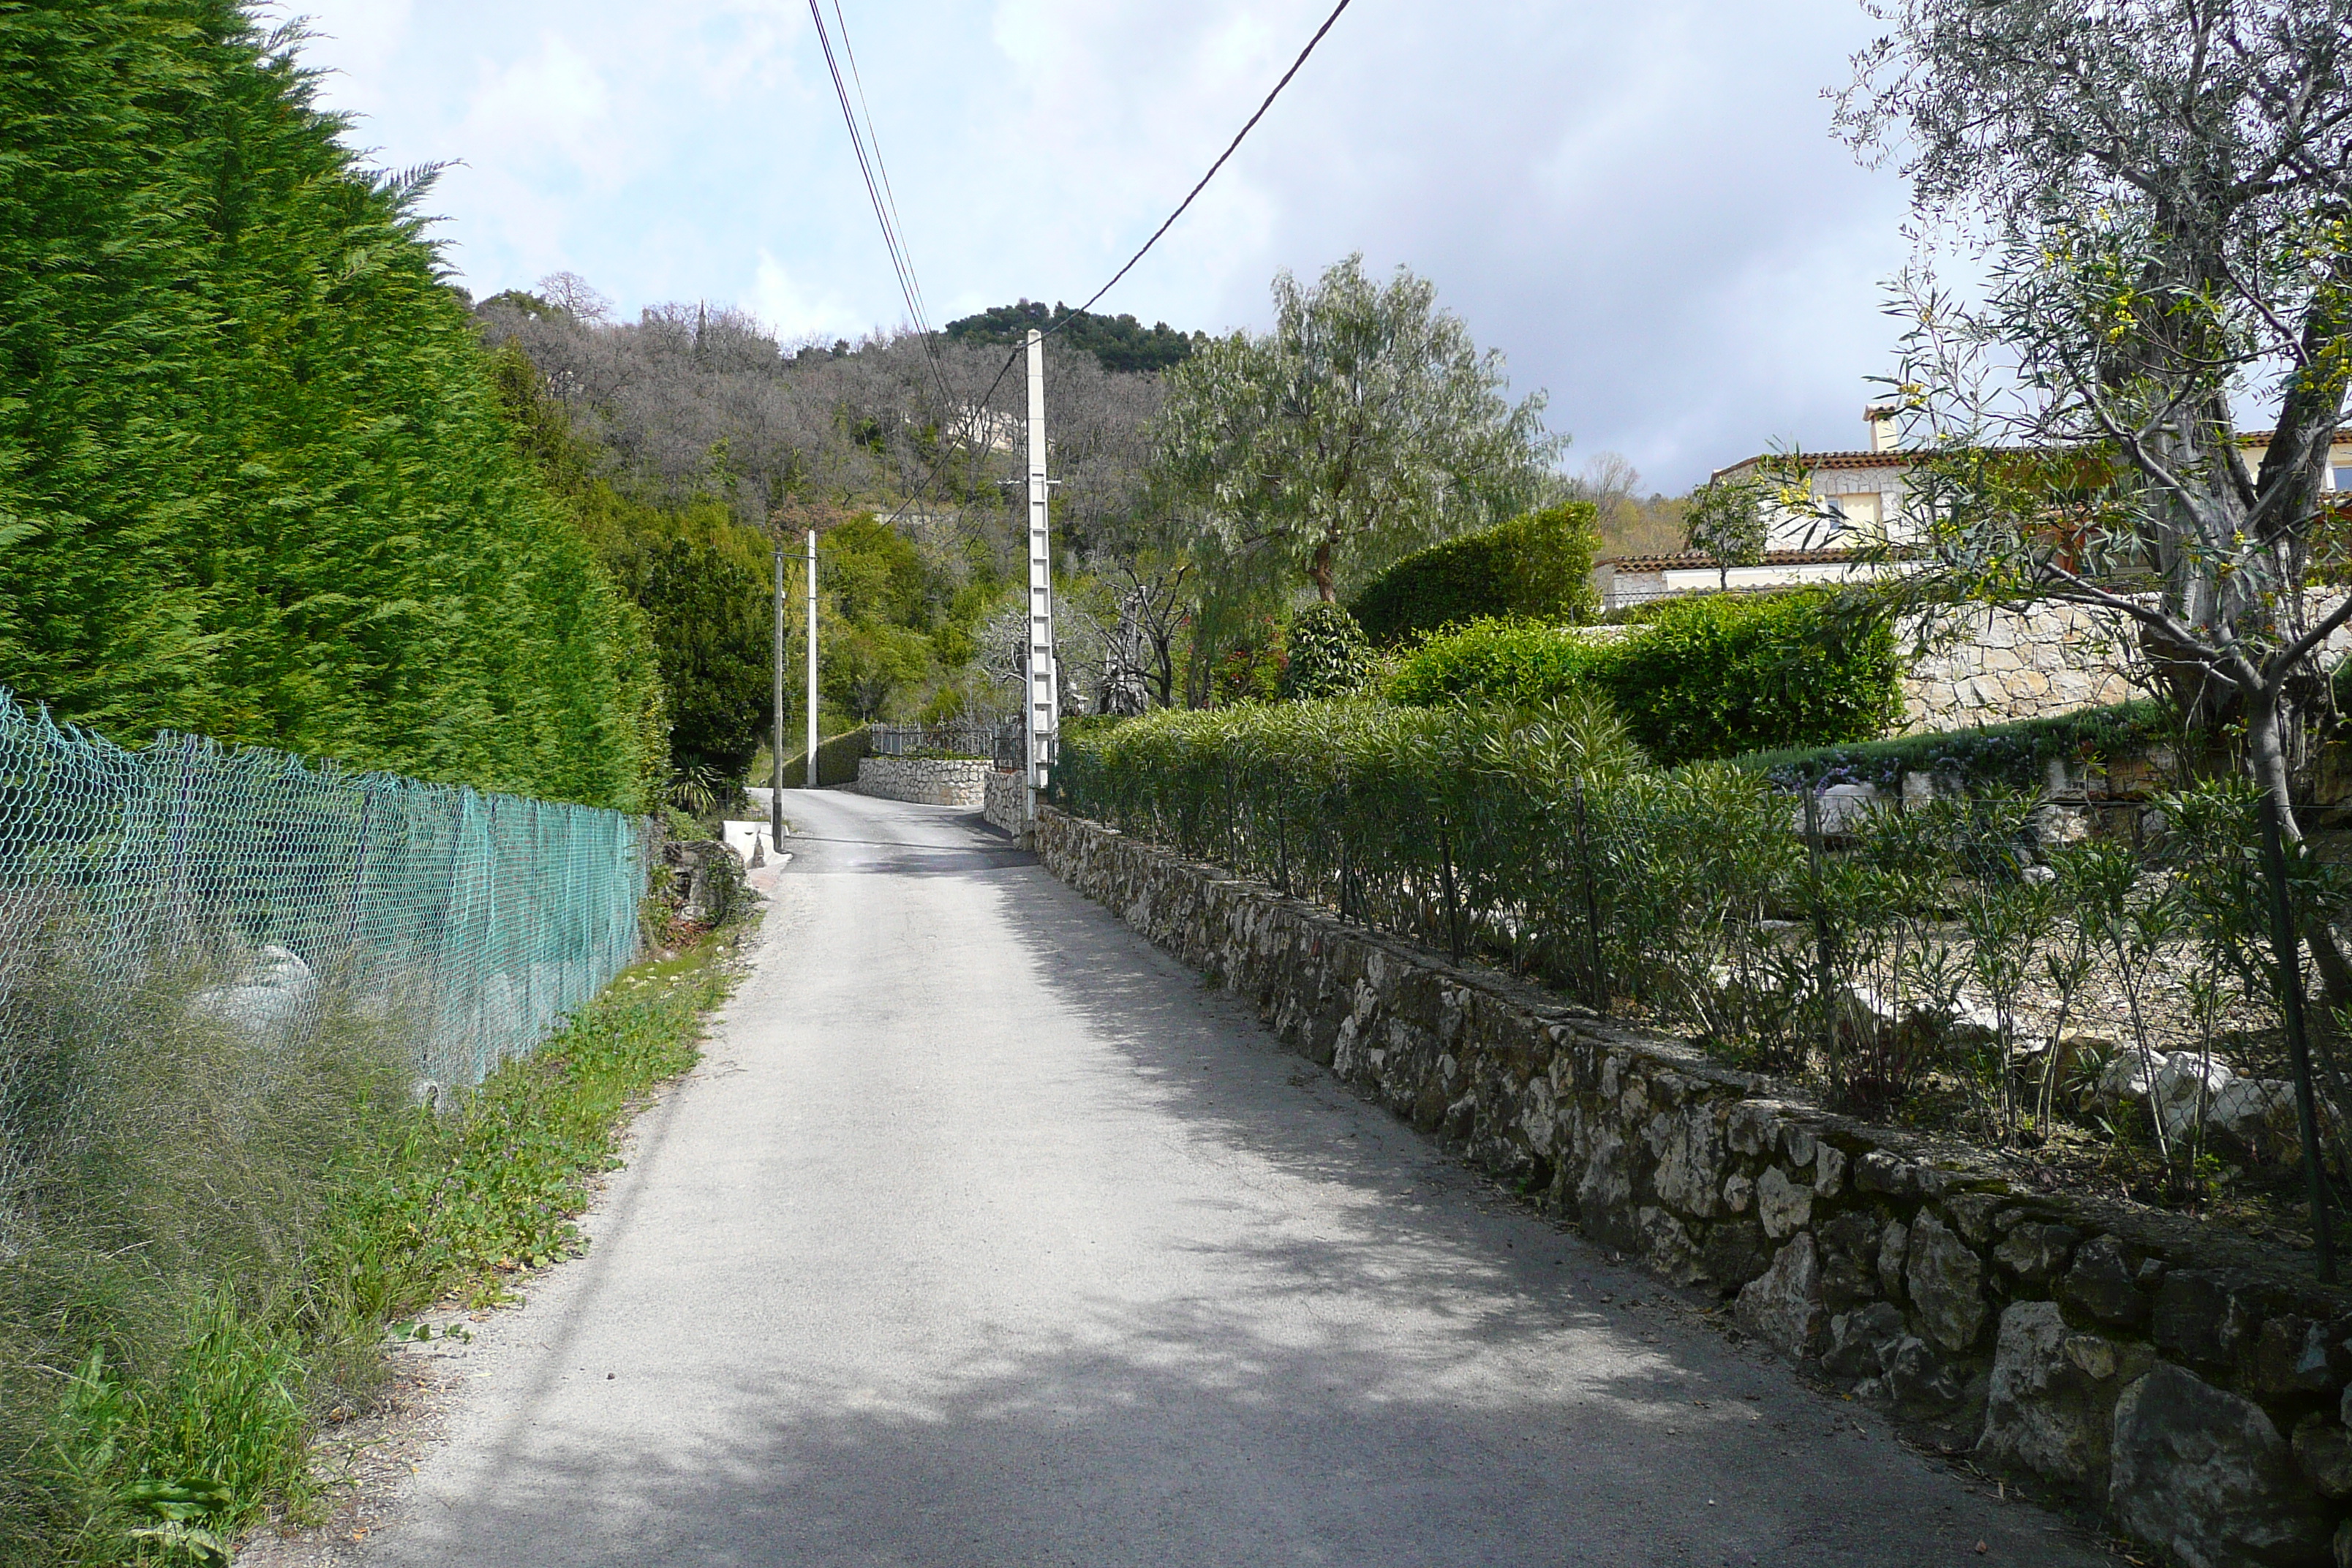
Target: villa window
1856	510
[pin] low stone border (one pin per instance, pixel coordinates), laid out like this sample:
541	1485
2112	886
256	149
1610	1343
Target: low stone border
2192	1385
925	781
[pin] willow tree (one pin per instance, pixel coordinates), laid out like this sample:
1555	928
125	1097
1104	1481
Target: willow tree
2157	192
1365	425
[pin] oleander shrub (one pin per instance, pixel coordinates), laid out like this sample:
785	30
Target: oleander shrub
1536	567
1498	664
1705	897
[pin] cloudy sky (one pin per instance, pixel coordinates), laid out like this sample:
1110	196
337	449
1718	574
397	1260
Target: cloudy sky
1640	204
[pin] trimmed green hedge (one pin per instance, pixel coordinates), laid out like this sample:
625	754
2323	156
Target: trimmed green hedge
1995	754
1538	567
1710	677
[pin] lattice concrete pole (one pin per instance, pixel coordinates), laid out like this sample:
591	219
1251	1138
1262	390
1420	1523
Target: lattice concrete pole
1039	713
811	659
776	729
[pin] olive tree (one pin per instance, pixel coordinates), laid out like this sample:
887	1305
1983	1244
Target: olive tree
2157	193
1366	424
1726	520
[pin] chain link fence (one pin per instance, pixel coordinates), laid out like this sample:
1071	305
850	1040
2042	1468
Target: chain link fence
264	895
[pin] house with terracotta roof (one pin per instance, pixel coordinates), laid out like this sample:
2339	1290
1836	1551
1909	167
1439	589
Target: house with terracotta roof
1858	496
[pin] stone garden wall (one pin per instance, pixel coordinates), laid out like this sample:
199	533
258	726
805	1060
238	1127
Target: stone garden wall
1005	801
925	781
2000	664
2004	664
2192	1385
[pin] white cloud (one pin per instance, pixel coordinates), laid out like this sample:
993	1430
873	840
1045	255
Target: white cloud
788	309
1641	206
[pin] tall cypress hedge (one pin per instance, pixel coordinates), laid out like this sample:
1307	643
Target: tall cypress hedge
255	480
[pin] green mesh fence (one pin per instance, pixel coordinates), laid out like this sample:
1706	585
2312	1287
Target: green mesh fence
274	894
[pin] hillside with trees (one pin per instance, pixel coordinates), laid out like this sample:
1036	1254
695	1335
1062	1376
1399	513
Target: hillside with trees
1118	343
691	439
255	480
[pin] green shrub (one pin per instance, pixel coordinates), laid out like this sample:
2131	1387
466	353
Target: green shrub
1329	655
1498	664
1536	567
1709	677
1716	676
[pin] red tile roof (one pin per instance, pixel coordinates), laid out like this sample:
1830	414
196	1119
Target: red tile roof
1696	560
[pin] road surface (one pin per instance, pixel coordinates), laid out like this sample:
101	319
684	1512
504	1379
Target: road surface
985	1237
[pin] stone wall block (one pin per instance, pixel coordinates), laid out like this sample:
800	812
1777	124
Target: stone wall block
2100	1285
1879	1172
2205	1475
1784	1206
1752	1126
2035	1253
1604	1196
2198	1320
1688	1143
2288	1357
1849	1244
1734	1253
1858	1339
2322	1452
2050	1406
1893	1254
1782	1306
1664	1244
1946	1281
1971	1214
1739	1193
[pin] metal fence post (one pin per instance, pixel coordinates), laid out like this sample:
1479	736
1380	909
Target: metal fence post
1597	982
1821	967
2288	948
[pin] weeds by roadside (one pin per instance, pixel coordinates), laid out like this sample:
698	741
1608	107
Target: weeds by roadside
161	1376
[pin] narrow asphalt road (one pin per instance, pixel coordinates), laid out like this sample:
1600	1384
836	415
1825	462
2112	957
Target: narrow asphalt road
985	1237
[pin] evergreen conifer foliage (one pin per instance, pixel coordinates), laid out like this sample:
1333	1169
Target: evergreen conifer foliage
255	479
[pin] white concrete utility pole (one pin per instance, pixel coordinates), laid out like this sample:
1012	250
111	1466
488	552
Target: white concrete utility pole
811	639
776	738
1040	714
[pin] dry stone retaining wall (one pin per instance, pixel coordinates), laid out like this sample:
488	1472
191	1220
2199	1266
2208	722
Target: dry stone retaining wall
1006	800
2003	663
2192	1385
925	781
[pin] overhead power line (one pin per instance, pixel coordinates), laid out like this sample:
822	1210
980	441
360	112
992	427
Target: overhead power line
876	190
1234	146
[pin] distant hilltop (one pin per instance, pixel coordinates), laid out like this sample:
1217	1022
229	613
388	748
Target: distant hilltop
1119	343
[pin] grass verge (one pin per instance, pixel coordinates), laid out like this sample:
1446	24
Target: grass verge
165	1392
